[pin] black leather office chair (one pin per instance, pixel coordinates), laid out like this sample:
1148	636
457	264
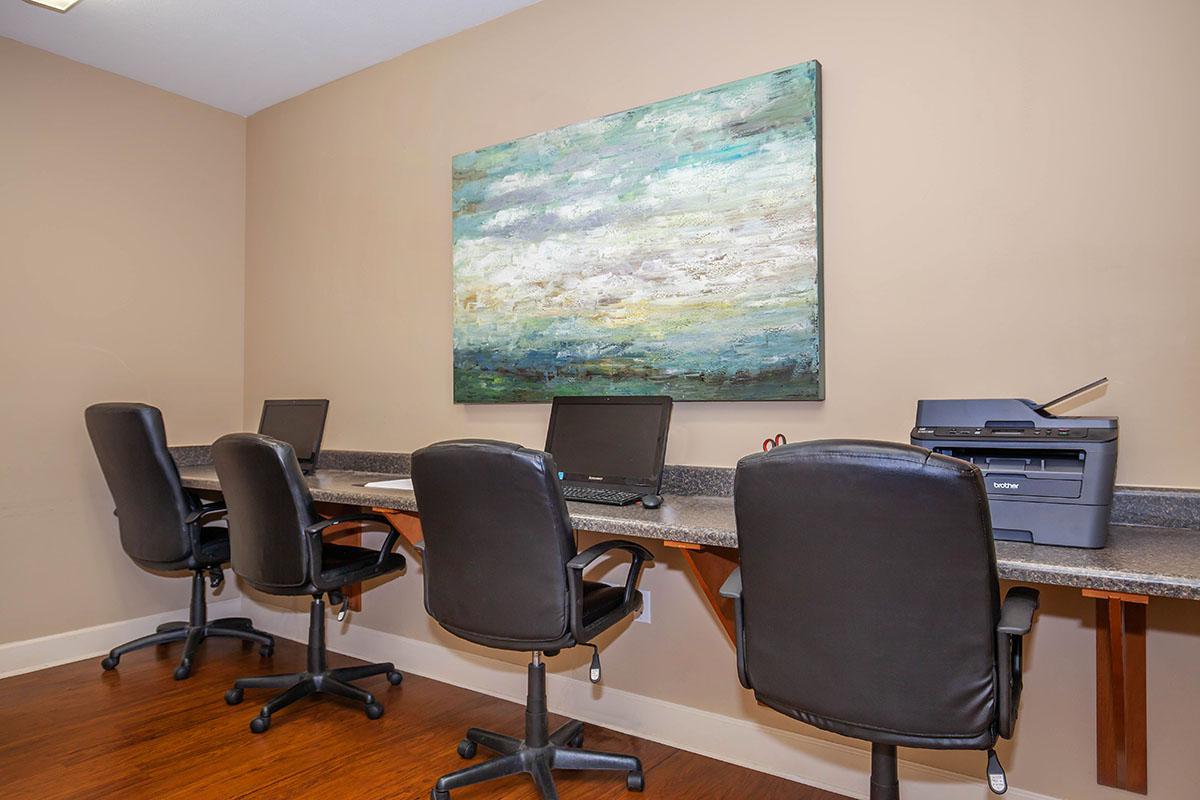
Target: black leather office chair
161	525
501	570
277	547
867	601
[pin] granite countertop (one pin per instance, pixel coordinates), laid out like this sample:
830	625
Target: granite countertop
1139	559
683	518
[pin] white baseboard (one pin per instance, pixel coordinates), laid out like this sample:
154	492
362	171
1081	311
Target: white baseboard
63	648
816	762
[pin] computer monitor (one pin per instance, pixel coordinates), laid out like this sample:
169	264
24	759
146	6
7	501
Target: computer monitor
300	423
619	441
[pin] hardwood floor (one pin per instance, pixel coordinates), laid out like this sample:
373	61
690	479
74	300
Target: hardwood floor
74	731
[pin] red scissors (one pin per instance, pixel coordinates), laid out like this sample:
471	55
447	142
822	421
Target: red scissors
779	439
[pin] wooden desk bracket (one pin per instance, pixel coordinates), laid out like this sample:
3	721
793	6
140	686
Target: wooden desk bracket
407	522
711	566
1121	689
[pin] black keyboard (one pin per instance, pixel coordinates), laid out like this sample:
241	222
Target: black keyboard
594	494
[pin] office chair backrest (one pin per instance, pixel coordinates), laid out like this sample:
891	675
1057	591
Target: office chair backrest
870	595
131	446
497	540
269	508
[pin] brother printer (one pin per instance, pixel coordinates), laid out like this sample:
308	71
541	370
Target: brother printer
1049	479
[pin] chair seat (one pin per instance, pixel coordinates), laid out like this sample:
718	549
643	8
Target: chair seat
600	599
342	564
213	548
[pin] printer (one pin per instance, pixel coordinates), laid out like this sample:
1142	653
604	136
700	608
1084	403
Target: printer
1049	479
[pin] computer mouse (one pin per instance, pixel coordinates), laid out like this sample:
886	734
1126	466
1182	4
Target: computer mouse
651	500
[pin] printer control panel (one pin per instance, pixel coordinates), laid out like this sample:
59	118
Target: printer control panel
1015	434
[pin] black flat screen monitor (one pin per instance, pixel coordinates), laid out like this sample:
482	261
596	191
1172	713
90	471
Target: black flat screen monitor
300	423
619	441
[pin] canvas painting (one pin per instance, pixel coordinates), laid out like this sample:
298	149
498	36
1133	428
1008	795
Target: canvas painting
671	249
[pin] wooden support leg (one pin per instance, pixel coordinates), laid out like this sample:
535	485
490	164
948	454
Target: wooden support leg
1120	690
408	523
710	567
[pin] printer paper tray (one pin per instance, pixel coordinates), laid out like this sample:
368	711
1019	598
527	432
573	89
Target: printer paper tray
1015	485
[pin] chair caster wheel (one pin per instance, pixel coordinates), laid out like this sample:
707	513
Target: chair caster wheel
233	696
183	671
110	663
467	748
635	781
267	650
576	742
260	724
374	710
395	677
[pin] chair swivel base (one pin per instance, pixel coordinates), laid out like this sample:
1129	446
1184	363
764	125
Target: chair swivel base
302	684
193	633
885	783
538	754
516	757
233	627
316	679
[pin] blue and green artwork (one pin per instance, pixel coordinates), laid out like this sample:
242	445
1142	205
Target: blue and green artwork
671	249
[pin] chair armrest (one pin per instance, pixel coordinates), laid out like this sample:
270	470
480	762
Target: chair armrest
640	555
576	565
732	587
1016	615
315	530
1016	620
595	551
196	516
217	507
363	516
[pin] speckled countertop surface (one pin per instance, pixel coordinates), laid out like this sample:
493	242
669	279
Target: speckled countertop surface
1164	562
1139	559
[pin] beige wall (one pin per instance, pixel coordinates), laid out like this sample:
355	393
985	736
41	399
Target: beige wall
1010	201
1010	193
122	252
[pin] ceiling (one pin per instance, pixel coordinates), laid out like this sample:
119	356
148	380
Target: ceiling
241	55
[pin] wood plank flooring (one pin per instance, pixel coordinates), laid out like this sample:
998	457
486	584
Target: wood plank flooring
77	732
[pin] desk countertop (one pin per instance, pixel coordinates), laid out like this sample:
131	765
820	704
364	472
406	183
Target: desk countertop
1163	562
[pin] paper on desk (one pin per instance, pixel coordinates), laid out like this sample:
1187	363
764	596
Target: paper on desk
399	483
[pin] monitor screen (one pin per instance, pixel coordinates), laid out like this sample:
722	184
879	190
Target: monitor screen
300	423
617	439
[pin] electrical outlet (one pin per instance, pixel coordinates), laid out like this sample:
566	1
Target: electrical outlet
644	614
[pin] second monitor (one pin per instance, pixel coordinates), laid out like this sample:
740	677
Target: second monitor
609	449
300	423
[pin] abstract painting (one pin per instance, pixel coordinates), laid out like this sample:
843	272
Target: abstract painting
671	249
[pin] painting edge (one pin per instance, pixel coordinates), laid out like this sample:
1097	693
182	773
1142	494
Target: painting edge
820	394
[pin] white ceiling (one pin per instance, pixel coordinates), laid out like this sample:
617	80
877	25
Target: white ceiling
241	55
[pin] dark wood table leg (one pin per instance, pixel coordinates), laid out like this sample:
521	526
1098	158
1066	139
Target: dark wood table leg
1120	690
